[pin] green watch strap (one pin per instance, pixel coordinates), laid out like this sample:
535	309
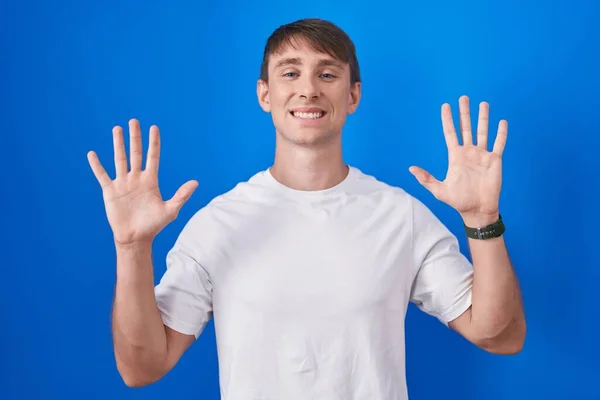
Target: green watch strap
487	232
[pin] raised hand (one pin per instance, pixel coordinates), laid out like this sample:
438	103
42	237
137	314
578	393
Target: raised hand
474	178
134	206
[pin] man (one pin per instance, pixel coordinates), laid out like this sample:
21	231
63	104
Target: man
309	266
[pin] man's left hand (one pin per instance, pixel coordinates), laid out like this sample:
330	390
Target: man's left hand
474	178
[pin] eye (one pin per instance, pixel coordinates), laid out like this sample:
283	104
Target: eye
328	76
289	74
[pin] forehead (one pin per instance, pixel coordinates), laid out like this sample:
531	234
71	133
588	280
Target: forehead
300	53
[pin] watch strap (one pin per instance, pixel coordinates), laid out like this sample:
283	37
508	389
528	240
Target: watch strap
490	231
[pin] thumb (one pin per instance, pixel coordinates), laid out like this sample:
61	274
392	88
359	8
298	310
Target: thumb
181	196
427	180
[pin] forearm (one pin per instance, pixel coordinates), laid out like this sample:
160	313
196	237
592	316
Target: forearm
496	301
139	335
497	309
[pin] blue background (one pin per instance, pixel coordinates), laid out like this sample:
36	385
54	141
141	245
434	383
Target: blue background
71	71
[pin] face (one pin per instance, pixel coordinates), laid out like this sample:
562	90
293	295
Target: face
308	95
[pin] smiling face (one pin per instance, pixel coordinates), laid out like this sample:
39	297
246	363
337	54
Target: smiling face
308	94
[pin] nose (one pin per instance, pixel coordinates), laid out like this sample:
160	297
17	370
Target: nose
309	89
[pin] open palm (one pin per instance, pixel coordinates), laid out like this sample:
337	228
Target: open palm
474	178
134	205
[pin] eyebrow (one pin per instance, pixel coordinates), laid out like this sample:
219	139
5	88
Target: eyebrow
298	61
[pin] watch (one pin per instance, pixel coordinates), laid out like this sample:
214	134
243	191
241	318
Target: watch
487	232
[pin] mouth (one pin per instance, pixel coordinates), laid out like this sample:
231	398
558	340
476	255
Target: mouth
309	114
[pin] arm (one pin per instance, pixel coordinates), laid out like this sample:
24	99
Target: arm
495	322
145	350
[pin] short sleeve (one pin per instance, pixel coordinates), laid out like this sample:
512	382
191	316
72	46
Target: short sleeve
184	293
444	276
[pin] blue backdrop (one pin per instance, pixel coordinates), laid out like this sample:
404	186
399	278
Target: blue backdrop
70	72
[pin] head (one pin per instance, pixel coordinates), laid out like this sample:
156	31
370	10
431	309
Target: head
309	81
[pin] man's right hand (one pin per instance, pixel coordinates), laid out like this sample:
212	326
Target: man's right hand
134	206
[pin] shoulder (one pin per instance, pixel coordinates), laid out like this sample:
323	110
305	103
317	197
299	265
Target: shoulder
207	234
224	209
399	201
393	195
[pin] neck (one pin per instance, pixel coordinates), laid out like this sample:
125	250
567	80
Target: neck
309	167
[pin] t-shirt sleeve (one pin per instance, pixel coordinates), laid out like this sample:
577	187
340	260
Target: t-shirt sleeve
444	276
184	293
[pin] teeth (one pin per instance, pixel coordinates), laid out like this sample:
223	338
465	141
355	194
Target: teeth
308	115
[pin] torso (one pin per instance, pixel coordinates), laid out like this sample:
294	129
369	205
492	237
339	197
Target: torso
310	295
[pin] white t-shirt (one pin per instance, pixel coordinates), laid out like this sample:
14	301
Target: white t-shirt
309	289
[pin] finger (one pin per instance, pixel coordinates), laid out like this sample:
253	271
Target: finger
465	120
98	170
119	152
153	150
180	197
500	142
448	126
425	179
482	125
135	145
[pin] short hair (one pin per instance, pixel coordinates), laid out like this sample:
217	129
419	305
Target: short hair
322	36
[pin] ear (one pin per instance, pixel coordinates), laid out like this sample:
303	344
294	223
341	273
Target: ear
262	92
354	97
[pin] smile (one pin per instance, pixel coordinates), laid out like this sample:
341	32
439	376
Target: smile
308	115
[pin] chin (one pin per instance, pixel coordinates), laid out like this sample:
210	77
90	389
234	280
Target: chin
310	137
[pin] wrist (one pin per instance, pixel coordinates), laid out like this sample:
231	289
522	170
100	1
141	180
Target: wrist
134	246
134	262
480	220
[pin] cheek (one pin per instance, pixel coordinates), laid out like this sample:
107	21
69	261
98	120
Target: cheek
341	104
339	96
279	104
280	94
